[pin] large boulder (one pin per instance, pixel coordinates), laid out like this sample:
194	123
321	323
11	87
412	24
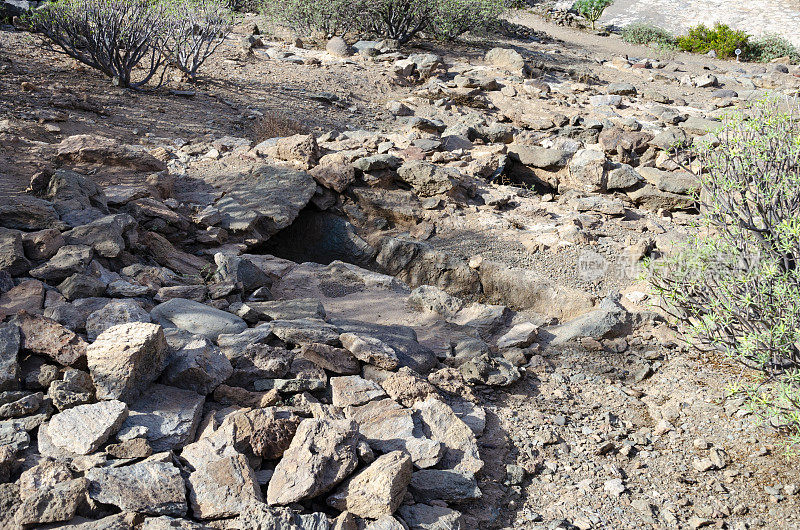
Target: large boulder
507	59
197	318
322	454
126	359
93	149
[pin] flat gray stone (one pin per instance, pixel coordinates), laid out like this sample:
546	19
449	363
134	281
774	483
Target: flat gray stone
170	416
197	318
153	488
83	429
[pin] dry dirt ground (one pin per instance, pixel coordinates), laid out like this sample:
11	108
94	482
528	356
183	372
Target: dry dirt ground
581	425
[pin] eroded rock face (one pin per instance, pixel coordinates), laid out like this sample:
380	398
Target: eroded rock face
153	488
377	490
322	454
125	359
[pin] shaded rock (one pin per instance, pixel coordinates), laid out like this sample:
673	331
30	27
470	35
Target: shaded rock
197	318
322	454
42	244
538	157
83	429
76	388
133	448
425	517
27	296
9	363
520	336
169	415
82	286
23	212
289	309
306	331
610	320
104	235
267	432
47	337
230	395
14	404
166	255
69	259
153	488
91	149
376	491
387	522
194	363
331	358
429	179
240	270
12	253
443	485
679	182
47	474
223	488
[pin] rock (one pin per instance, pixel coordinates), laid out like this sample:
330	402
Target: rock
268	432
104	235
538	157
587	170
47	474
223	488
699	126
610	320
76	388
169	415
441	424
305	331
240	270
153	488
426	517
407	387
14	404
622	177
669	138
338	47
114	313
166	255
354	390
370	350
429	179
330	358
605	100
47	337
229	395
9	362
376	491
83	429
621	89
27	296
133	448
678	182
125	359
93	149
194	363
387	426
321	455
289	309
443	485
651	198
82	286
301	149
387	522
487	370
59	503
23	212
520	336
197	318
12	253
69	259
507	59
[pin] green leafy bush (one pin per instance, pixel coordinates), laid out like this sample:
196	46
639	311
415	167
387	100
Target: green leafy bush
647	34
453	18
735	284
327	17
721	39
771	47
591	10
